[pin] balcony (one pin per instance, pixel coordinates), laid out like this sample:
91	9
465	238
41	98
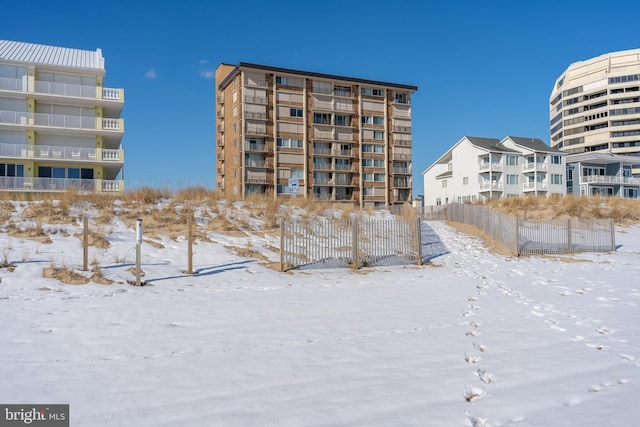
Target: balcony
324	166
264	148
39	152
13	85
399	156
259	131
609	179
64	89
322	151
258	163
322	106
402	182
260	181
60	121
534	166
255	115
343	153
403	129
402	142
487	166
535	186
401	170
78	91
220	99
255	83
342	167
326	136
61	185
255	100
491	186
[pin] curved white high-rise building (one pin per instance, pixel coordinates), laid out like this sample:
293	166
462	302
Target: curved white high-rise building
595	105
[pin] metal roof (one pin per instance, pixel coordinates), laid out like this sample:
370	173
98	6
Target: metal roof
534	144
248	65
30	53
489	144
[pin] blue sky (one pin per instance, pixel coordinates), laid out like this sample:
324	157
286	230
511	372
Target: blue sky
483	68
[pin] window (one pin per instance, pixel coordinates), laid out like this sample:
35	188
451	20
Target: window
373	177
371	91
235	174
512	179
402	98
235	127
367	120
438	201
235	142
235	110
235	159
556	179
295	112
321	118
297	174
11	170
512	160
378	120
234	96
62	173
378	134
375	163
465	180
283	189
372	148
289	142
341	120
282	80
444	183
556	160
73	173
342	90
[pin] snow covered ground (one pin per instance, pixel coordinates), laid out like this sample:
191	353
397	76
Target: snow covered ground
469	339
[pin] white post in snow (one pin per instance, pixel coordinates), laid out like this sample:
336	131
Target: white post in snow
138	249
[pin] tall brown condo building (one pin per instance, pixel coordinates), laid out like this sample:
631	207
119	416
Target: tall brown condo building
282	132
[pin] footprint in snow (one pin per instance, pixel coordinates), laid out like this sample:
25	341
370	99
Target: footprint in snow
484	376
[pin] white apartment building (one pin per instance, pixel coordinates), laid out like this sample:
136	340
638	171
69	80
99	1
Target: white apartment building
479	169
595	106
60	128
602	174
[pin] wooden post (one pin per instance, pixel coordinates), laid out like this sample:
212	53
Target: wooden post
419	241
189	245
613	235
138	249
516	248
282	244
85	245
569	237
354	243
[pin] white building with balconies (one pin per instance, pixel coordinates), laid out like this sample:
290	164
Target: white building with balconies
60	128
479	169
603	174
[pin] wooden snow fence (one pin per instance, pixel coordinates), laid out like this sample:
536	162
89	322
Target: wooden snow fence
353	242
531	236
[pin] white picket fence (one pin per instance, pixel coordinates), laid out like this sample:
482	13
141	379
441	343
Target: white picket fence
531	236
354	242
